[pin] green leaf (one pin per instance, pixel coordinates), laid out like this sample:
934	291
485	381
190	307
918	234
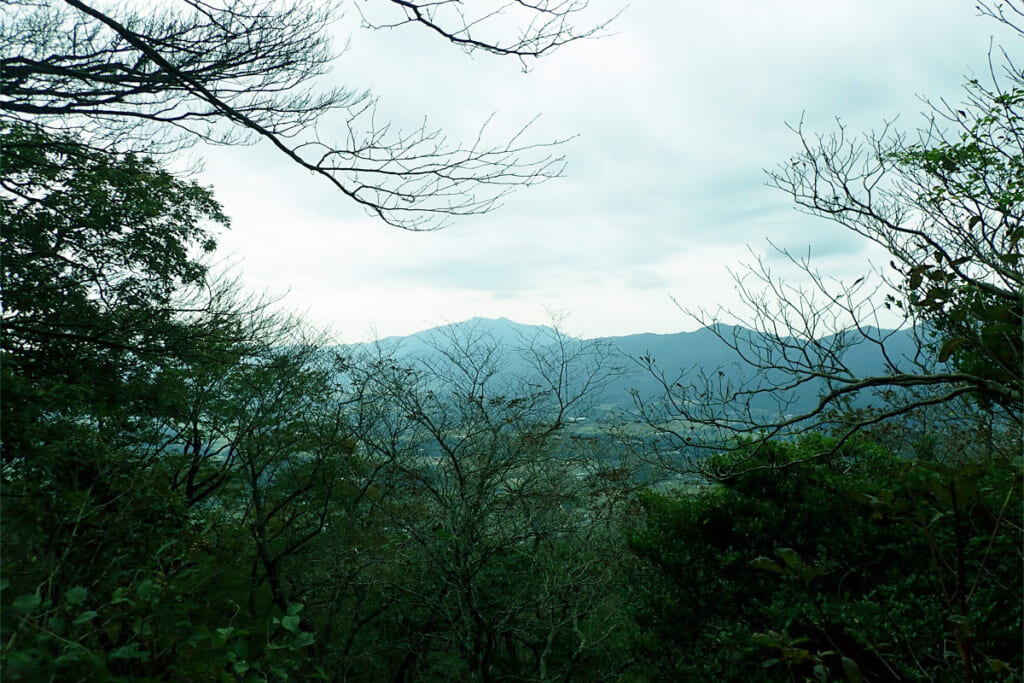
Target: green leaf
1010	259
148	590
74	653
26	603
791	558
949	346
129	651
240	647
851	670
996	665
768	565
57	624
290	623
120	595
295	608
165	546
915	278
85	617
770	639
76	595
810	572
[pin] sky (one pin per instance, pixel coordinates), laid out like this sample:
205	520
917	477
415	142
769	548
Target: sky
674	114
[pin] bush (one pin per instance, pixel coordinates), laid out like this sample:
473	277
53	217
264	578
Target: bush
864	565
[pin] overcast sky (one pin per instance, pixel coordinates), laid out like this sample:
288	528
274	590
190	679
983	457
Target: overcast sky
676	113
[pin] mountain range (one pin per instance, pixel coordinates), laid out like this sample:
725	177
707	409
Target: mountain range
683	355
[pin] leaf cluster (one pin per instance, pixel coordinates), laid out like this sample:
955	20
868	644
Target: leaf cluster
872	568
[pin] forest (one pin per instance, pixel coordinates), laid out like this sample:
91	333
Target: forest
197	486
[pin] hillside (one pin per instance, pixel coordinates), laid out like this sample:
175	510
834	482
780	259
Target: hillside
683	356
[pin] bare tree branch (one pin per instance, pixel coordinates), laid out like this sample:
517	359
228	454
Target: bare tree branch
241	71
545	25
948	207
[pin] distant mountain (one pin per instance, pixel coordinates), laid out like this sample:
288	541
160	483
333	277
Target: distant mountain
686	353
704	351
502	331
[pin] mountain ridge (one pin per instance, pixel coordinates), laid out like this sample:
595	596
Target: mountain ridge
688	353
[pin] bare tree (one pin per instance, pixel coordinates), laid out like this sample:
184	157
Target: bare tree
240	71
501	524
947	206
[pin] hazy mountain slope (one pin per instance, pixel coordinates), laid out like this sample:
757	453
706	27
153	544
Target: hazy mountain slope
689	352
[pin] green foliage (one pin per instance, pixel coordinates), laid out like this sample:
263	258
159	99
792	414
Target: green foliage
194	489
112	570
862	568
112	237
963	267
100	252
190	493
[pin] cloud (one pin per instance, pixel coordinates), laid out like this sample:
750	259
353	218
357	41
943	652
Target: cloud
677	115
